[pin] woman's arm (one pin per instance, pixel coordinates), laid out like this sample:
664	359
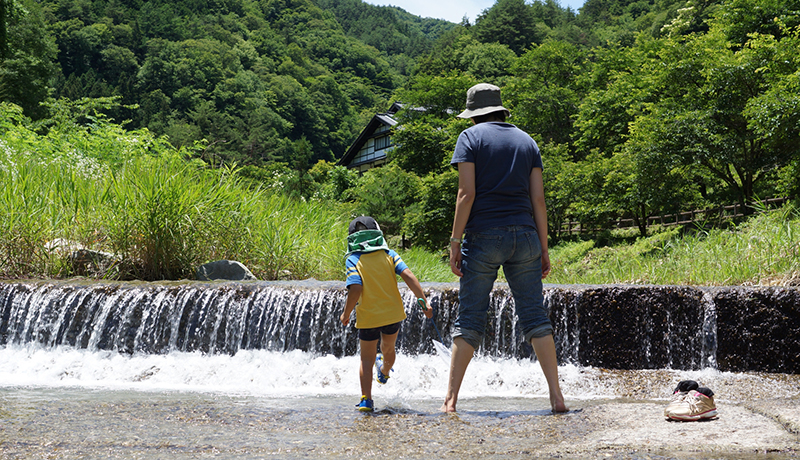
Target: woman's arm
540	216
464	200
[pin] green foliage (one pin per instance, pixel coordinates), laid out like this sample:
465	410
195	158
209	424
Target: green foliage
428	128
561	186
544	94
648	180
251	79
788	183
708	126
162	216
760	251
586	181
570	253
487	61
427	266
640	108
741	18
774	115
692	18
617	92
390	29
619	21
159	215
160	211
510	22
26	55
335	182
386	193
424	147
429	220
5	13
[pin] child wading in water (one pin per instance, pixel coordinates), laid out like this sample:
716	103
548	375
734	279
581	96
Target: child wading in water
373	293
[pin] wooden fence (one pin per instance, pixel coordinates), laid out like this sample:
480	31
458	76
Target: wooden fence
713	215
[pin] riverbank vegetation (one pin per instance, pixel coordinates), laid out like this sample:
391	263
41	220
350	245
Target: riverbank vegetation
135	196
142	201
168	134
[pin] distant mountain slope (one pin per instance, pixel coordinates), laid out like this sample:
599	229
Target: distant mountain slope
390	29
258	81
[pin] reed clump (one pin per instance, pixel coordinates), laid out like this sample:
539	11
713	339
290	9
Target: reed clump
157	215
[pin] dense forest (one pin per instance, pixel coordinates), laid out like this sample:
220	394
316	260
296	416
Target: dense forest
640	107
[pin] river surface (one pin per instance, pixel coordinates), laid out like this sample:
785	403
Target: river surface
72	403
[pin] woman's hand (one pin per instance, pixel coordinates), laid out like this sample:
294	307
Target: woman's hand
545	265
455	258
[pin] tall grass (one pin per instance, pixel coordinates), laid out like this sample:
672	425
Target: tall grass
763	250
427	266
158	214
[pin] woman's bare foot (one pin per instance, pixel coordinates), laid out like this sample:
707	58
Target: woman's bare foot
558	406
447	408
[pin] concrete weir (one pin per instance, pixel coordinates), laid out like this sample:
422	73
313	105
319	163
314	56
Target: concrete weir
650	327
615	326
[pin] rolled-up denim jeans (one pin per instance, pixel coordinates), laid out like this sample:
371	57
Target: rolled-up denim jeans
518	250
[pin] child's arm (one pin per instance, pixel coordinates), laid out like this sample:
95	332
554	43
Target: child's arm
413	283
353	294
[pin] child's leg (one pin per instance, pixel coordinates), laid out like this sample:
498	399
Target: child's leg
387	348
369	350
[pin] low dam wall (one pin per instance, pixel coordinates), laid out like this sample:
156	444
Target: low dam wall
755	329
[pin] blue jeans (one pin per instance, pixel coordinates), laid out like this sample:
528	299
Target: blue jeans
518	250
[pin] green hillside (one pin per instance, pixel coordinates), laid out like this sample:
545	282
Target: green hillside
258	81
399	35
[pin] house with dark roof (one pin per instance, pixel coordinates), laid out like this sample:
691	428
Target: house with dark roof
370	148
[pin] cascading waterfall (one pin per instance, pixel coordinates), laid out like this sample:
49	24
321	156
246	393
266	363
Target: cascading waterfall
623	327
709	350
163	317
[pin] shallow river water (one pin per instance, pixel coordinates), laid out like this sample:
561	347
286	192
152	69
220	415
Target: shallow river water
68	403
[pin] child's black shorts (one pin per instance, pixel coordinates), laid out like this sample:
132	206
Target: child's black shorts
375	333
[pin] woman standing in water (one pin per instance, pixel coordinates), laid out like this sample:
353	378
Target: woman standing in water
501	214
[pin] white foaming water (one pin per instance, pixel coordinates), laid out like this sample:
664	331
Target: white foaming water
297	374
261	373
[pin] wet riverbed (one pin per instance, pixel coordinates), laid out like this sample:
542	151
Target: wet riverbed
72	404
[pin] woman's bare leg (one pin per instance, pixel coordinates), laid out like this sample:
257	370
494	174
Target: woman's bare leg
462	355
545	349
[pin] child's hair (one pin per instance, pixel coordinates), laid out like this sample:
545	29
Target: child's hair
363	223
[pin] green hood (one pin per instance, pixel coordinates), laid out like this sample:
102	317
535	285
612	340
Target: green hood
366	241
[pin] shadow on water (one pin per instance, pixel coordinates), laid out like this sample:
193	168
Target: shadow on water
494	414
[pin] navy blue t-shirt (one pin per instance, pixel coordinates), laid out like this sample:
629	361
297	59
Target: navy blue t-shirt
504	157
